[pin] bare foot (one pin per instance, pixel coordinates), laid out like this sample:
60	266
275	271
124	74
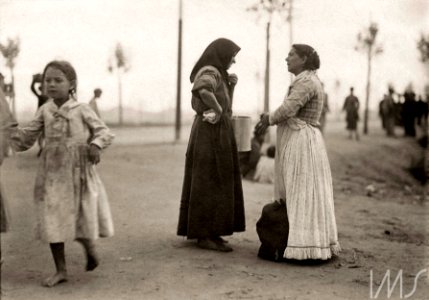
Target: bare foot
92	261
55	279
91	255
212	245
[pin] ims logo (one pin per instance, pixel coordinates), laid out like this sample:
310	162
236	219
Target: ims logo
390	287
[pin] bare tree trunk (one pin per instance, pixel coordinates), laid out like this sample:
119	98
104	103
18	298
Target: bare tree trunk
120	109
368	87
13	93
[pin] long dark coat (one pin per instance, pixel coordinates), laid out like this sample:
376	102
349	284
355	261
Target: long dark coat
212	195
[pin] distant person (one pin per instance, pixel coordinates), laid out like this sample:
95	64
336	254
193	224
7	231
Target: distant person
302	172
264	172
388	110
250	159
398	110
5	118
71	201
212	202
4	148
37	89
425	106
381	113
422	112
351	107
409	112
93	101
325	110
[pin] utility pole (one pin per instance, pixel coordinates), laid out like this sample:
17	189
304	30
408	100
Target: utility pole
179	76
368	88
289	18
120	108
267	72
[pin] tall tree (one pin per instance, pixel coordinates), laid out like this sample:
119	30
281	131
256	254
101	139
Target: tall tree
366	43
10	51
120	66
268	8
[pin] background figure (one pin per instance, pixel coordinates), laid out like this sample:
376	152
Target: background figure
398	110
381	113
351	107
41	99
250	159
421	116
93	101
409	112
264	172
38	91
325	110
5	118
4	148
388	112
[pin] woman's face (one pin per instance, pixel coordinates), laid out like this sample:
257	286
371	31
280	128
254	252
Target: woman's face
231	62
56	84
295	63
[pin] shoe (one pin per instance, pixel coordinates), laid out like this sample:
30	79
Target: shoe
212	245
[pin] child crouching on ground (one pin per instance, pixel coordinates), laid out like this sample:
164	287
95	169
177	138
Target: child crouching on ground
70	199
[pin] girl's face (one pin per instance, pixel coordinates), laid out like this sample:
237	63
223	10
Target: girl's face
295	63
56	84
231	62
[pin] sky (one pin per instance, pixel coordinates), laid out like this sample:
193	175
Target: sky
86	32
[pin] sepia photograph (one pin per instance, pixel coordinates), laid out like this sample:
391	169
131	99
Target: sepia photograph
216	149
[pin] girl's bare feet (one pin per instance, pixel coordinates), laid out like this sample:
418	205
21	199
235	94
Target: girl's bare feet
55	279
91	255
92	260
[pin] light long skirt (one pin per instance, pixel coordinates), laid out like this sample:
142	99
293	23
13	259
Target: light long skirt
303	179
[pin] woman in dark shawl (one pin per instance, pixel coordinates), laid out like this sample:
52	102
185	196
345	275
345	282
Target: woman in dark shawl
212	196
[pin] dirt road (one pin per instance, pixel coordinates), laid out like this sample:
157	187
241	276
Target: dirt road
146	260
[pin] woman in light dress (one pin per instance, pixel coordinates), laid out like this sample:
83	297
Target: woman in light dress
302	171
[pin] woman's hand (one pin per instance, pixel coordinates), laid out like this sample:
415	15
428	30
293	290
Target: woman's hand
263	123
210	100
94	154
212	116
233	79
217	117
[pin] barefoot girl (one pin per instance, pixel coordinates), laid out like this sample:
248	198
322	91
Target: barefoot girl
70	199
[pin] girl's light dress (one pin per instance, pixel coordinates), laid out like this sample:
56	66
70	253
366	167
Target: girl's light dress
69	197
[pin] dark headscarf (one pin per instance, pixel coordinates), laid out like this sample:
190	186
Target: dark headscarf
218	54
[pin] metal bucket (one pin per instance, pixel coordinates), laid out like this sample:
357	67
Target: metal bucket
243	132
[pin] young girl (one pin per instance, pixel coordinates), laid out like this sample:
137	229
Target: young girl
70	199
